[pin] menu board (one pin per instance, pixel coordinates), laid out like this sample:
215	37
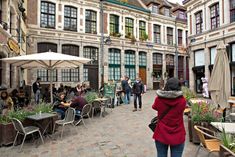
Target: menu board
109	89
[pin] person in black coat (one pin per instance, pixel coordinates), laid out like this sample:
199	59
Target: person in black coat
36	90
138	91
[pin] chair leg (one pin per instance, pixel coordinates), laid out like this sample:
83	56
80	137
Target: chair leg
62	132
54	128
199	147
88	116
15	138
23	142
84	123
41	136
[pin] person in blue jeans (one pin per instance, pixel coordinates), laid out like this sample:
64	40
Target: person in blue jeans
170	131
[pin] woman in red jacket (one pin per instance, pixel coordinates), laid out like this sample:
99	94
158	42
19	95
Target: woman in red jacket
170	130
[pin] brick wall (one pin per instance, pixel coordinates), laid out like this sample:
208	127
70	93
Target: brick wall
32	12
105	23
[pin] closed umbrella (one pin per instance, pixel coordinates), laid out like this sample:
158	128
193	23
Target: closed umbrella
47	60
219	83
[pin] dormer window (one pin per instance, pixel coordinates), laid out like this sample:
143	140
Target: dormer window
181	15
166	11
155	9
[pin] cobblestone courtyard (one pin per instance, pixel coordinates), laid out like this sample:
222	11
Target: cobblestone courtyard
121	133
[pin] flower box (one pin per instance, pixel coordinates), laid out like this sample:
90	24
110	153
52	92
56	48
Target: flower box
225	152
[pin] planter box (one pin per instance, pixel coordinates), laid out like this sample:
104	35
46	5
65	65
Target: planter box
7	134
225	152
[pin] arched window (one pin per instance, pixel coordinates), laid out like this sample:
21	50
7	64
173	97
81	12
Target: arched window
70	75
130	64
42	73
114	64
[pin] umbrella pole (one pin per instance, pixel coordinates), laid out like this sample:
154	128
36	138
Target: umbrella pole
51	82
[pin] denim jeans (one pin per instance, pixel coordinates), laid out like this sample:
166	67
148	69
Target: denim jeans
139	97
37	96
127	97
61	112
162	149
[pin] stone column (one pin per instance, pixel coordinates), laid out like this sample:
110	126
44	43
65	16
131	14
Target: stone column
191	73
137	63
81	66
207	63
106	67
149	69
164	67
122	62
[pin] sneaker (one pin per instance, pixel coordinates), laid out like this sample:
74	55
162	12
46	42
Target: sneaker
134	110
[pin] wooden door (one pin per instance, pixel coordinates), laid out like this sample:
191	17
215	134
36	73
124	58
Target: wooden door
93	76
142	74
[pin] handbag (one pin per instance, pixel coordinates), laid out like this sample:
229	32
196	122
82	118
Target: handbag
155	120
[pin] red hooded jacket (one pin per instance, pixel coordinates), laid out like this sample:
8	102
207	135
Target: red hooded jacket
170	130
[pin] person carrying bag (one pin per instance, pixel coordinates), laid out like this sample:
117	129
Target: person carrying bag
170	130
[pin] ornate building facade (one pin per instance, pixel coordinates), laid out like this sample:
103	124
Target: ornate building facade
12	39
142	38
209	22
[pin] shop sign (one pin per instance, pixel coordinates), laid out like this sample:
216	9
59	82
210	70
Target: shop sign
13	45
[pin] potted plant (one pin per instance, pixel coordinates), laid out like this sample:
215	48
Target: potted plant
91	96
188	94
227	148
144	37
202	114
133	39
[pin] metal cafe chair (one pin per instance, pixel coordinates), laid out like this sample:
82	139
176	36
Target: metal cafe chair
24	131
85	113
69	119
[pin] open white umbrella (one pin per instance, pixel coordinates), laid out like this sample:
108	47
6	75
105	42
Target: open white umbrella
47	60
219	83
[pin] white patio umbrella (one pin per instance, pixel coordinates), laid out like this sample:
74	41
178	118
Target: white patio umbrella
47	60
219	83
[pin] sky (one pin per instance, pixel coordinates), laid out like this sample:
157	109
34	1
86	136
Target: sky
174	1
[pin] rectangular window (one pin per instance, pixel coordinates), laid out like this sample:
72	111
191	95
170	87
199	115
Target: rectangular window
129	27
170	60
70	75
167	12
199	58
215	16
169	36
180	37
70	18
114	25
157	34
114	64
142	31
45	75
47	14
142	59
130	71
155	9
232	11
186	37
91	22
130	64
85	74
91	53
199	22
157	58
213	54
129	59
182	15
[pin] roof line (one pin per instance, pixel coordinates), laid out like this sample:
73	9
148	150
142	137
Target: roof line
127	5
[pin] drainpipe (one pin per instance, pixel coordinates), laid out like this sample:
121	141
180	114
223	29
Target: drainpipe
176	51
102	41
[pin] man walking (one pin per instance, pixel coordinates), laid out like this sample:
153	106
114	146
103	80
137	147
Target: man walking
126	89
138	91
36	90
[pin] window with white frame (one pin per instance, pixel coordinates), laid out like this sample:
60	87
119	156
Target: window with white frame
213	53
214	10
130	64
91	21
199	22
70	18
142	59
157	33
114	64
169	36
129	27
199	58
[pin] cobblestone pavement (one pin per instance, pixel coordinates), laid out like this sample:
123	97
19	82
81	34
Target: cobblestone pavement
121	133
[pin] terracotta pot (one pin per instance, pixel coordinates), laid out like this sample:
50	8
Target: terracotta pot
225	152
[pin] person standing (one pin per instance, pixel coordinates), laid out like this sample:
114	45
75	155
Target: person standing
126	89
36	90
170	130
138	91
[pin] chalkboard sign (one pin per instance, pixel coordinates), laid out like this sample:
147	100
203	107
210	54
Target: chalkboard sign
109	89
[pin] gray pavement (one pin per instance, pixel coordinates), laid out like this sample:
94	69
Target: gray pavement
121	133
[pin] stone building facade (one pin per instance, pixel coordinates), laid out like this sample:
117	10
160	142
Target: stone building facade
12	39
209	22
141	38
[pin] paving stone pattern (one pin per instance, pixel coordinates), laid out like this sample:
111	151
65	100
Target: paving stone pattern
121	133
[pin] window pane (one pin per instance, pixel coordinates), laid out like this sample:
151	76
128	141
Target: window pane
90	22
47	14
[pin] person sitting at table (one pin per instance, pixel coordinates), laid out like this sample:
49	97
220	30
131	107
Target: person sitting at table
78	103
6	103
61	105
21	97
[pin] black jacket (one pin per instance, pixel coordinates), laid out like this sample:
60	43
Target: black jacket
36	87
138	88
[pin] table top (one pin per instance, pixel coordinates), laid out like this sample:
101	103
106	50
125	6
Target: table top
101	99
228	127
41	116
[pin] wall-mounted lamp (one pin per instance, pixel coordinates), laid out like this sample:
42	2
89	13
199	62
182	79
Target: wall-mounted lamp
107	40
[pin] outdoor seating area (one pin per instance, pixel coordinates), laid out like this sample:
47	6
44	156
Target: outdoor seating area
68	108
209	125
